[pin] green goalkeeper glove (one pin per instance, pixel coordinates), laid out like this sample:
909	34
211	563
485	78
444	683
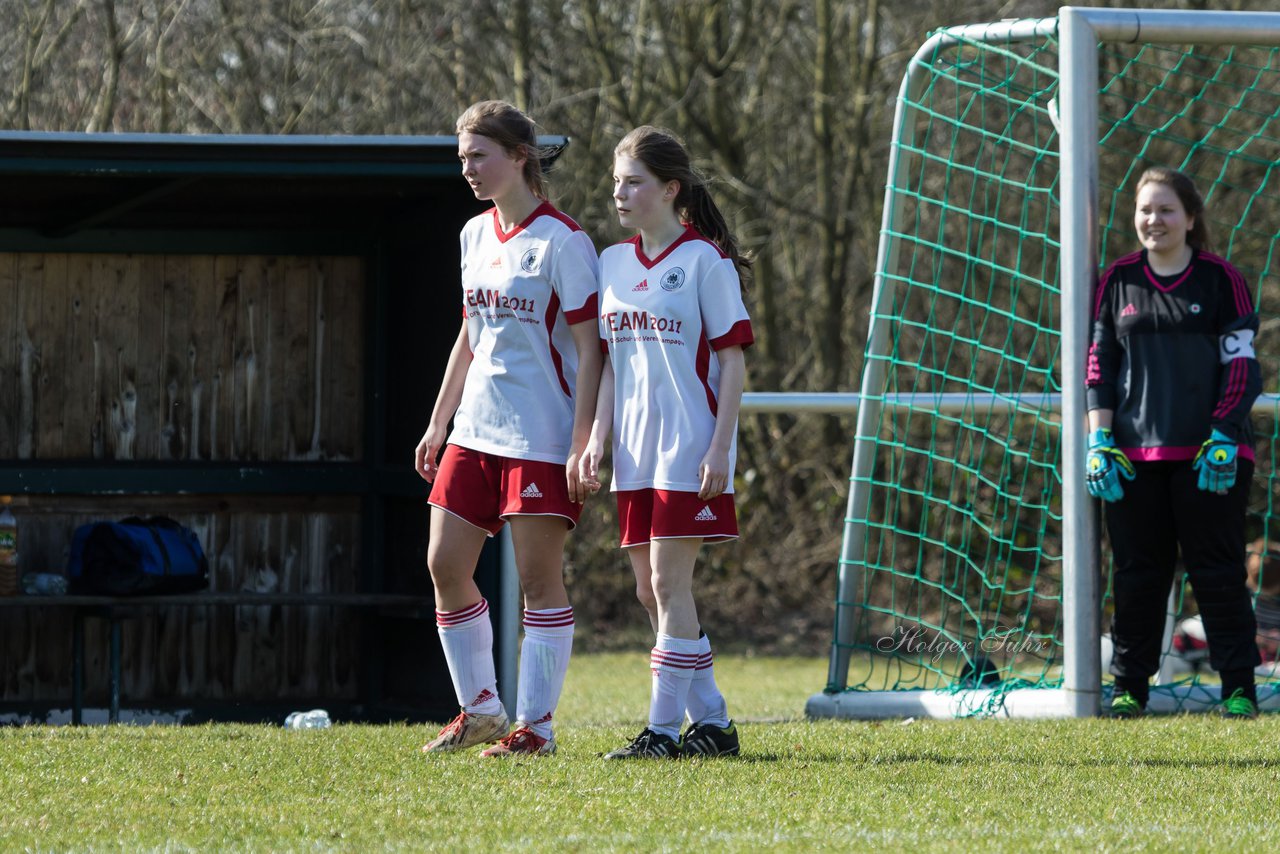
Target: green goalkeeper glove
1216	463
1105	465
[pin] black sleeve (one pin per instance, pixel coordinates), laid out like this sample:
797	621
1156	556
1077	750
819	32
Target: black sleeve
1240	382
1104	351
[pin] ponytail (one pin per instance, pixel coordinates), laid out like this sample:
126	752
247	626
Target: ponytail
666	157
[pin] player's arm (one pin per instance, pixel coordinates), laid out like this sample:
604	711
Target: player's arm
1103	364
1239	385
1105	464
586	340
1241	378
714	468
602	423
447	402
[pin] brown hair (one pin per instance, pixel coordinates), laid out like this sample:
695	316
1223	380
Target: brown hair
510	128
1185	189
665	156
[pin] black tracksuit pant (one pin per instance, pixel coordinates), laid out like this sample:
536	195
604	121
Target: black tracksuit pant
1163	510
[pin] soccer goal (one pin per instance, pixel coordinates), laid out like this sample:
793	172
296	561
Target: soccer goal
970	579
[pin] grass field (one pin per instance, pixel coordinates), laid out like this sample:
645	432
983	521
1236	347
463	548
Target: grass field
1180	783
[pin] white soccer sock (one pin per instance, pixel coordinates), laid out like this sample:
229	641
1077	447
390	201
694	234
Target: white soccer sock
672	662
467	638
706	704
544	659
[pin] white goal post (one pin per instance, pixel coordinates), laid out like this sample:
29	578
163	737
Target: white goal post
1079	32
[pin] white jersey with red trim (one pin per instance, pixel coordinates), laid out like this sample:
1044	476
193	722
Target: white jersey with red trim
521	290
662	321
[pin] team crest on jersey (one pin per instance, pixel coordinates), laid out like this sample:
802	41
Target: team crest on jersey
672	279
530	260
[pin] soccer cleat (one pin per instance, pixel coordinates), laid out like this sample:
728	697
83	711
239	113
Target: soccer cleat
1125	705
1239	706
648	745
710	740
468	730
522	741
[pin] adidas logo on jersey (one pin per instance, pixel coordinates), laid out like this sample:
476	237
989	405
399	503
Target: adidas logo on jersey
705	515
1129	310
496	263
643	286
531	491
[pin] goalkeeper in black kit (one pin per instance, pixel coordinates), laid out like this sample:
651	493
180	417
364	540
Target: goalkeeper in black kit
1171	378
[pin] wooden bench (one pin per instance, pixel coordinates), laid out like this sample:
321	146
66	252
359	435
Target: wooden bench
113	609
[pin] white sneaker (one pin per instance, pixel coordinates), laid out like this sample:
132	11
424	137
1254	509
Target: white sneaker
468	730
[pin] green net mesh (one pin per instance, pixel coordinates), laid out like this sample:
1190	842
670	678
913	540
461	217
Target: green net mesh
960	574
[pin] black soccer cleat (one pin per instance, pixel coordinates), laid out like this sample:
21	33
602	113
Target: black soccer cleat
710	740
648	745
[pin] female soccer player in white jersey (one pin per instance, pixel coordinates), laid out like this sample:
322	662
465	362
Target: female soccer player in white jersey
674	326
1171	380
520	387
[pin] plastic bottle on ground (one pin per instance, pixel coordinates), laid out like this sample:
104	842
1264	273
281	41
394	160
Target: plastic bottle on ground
314	719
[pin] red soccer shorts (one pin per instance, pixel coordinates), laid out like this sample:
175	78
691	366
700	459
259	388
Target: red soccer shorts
660	514
485	489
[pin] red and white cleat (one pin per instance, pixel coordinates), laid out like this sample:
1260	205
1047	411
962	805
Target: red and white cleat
468	730
523	742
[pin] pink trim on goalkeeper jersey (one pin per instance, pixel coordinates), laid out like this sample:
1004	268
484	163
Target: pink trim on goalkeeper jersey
1176	454
1233	393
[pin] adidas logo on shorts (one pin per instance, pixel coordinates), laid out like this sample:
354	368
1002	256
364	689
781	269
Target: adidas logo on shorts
705	515
1129	310
531	491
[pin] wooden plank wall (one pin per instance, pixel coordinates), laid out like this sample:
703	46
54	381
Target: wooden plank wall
189	357
180	357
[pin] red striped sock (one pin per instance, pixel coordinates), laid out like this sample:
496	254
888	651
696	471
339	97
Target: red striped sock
672	661
706	703
467	637
544	660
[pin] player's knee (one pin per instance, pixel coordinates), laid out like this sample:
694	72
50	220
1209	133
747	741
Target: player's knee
542	583
1138	587
1219	584
446	571
644	592
668	589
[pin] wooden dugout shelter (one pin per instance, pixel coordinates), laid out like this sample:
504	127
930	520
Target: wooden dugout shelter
246	334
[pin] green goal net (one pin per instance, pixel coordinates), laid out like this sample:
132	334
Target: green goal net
953	584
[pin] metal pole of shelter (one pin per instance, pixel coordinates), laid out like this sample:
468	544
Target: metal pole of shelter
507	644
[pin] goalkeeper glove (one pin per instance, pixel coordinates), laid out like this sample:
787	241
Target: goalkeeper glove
1105	465
1216	463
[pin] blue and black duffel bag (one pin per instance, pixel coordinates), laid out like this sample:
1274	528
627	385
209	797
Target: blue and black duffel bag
136	557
